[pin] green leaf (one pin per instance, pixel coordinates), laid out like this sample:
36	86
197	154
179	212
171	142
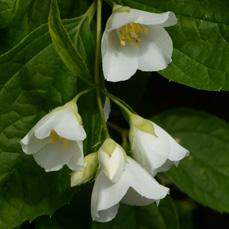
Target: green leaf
204	175
73	215
163	217
63	43
33	81
201	48
7	9
20	17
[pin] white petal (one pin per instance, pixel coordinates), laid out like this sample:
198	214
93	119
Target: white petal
107	108
69	127
107	215
149	150
155	52
64	122
43	127
119	63
118	19
163	19
146	188
76	162
53	157
31	145
105	196
177	152
112	165
165	167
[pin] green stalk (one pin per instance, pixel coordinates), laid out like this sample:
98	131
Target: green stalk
97	64
82	93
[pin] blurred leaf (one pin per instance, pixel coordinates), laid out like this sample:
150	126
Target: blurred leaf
204	175
201	49
185	209
148	217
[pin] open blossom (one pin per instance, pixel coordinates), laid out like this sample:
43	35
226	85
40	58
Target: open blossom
121	179
135	39
152	146
57	139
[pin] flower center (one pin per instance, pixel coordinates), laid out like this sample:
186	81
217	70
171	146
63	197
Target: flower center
131	34
54	137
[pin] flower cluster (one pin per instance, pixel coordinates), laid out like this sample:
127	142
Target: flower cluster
56	140
133	40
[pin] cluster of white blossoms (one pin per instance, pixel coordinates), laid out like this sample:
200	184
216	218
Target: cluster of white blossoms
132	40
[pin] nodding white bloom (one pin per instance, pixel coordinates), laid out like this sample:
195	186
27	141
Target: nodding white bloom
135	39
57	139
152	146
121	179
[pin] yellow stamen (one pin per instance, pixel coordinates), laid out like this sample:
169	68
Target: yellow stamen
131	34
54	137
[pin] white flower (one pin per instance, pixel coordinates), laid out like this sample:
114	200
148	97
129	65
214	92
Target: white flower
152	146
133	185
57	139
135	39
112	159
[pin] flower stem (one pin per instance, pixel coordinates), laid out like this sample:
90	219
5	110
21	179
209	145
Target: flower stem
97	64
83	93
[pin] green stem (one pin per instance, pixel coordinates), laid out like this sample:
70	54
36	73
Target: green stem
97	64
82	93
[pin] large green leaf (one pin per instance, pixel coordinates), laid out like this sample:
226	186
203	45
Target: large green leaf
33	81
72	216
149	217
7	9
204	175
20	17
201	49
63	43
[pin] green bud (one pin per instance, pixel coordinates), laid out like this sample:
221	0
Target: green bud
88	172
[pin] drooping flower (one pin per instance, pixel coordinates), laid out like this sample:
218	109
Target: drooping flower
152	146
121	179
135	39
57	139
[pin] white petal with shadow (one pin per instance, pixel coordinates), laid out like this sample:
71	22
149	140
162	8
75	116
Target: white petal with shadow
155	51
